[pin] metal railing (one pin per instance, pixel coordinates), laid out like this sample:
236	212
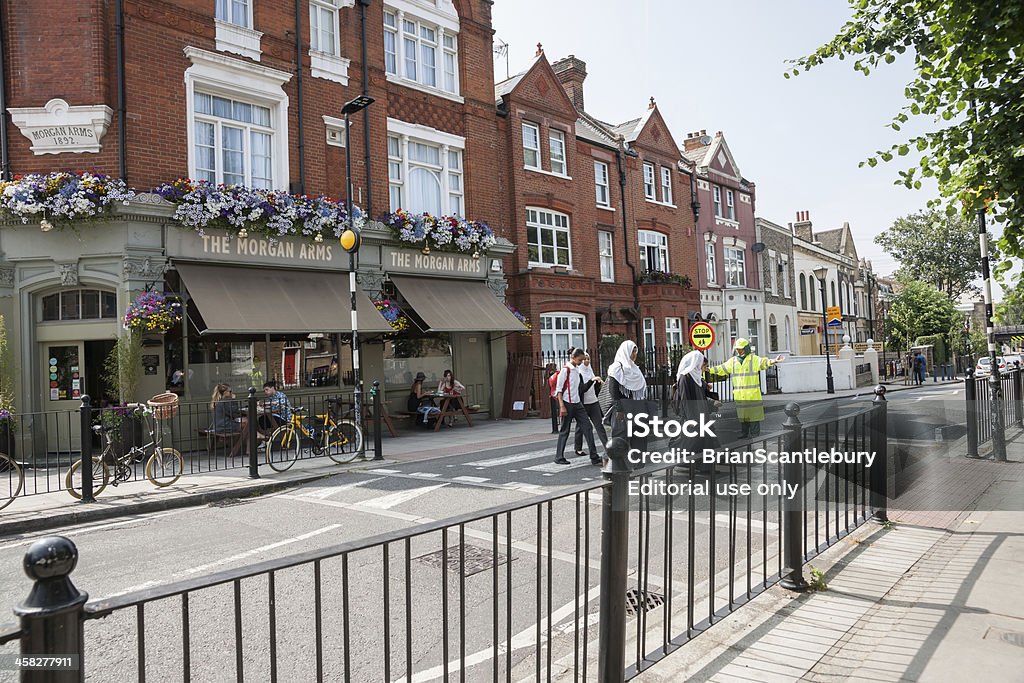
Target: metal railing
480	595
985	415
47	444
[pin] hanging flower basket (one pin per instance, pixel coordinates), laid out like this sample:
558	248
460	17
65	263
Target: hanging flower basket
444	233
243	211
152	313
61	195
521	318
393	314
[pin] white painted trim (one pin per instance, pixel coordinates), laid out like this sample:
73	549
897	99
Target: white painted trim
606	208
237	79
392	78
444	16
238	39
426	133
328	67
655	201
550	173
727	223
88	124
335	131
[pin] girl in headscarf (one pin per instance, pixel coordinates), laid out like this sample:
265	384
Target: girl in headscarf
625	380
693	398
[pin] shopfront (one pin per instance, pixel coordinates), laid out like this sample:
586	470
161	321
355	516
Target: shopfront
254	308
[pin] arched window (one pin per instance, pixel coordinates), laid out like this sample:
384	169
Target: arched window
803	292
832	286
811	294
773	333
788	339
79	304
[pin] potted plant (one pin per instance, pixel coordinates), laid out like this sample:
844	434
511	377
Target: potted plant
121	371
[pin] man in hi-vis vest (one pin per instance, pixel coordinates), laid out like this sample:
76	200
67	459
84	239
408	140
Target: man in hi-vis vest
745	370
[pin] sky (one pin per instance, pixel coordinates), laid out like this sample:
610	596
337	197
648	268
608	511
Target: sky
718	66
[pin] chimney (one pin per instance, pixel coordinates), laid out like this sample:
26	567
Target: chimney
571	73
693	140
802	227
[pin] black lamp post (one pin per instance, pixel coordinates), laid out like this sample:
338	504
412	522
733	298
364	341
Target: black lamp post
821	274
350	242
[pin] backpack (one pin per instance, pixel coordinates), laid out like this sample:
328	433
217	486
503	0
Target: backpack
552	383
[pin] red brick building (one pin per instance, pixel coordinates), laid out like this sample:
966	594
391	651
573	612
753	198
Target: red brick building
249	92
601	215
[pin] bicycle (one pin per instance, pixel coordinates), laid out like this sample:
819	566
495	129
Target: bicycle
11	466
164	465
340	439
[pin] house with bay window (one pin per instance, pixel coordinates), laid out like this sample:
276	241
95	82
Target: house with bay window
731	296
248	94
600	213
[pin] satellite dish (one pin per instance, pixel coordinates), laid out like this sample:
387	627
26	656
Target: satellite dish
758	247
705	139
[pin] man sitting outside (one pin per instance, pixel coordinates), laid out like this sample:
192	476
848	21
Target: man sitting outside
277	409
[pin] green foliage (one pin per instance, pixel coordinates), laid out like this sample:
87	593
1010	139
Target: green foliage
938	342
968	64
1011	310
6	370
123	365
609	345
817	582
918	310
936	247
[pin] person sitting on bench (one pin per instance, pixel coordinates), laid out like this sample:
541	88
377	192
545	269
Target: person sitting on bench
419	401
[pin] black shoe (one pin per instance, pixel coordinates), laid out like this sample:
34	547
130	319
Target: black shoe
581	454
596	461
561	461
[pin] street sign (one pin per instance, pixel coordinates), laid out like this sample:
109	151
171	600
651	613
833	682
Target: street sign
702	336
835	316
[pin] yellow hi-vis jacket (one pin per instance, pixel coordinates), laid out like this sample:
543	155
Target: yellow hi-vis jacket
746	384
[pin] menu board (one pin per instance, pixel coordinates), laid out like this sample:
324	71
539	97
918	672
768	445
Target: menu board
64	373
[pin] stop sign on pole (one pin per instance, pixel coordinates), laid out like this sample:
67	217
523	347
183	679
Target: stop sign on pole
702	336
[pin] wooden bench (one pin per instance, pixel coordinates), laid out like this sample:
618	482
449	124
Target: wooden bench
446	411
214	438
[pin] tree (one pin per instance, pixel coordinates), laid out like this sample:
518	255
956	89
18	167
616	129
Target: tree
969	80
935	247
919	310
1011	310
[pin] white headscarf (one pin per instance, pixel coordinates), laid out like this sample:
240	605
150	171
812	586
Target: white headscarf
691	365
627	373
586	372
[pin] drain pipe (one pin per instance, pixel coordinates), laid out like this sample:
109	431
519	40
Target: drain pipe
5	161
298	94
122	123
625	237
363	4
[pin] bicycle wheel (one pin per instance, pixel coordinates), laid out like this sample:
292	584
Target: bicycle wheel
15	479
342	441
283	448
100	478
165	467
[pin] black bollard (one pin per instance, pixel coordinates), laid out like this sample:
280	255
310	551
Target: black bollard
87	474
378	448
879	475
614	564
253	436
792	520
51	616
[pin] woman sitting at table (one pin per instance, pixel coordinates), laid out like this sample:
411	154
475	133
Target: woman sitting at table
454	390
227	417
420	401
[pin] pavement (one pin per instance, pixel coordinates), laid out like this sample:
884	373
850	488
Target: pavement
933	596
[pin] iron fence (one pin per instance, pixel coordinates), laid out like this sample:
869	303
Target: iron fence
987	413
47	444
480	595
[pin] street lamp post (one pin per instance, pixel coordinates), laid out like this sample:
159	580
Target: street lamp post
821	274
350	242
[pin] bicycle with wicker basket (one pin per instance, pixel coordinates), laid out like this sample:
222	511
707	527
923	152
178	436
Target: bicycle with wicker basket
164	465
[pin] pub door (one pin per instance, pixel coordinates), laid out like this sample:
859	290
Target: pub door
64	376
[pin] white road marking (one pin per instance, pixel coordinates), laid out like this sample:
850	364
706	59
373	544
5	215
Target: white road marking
383	471
471	480
328	491
555	467
398	497
425	474
229	560
84	529
509	459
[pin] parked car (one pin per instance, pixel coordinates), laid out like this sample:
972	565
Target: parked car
1012	361
984	366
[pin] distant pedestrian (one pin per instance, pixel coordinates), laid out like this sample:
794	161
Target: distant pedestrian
569	390
550	376
693	399
591	405
920	368
745	370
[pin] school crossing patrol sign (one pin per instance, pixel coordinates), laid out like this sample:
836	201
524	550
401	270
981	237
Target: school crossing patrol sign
702	336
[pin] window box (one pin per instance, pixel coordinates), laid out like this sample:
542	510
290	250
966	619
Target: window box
660	277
